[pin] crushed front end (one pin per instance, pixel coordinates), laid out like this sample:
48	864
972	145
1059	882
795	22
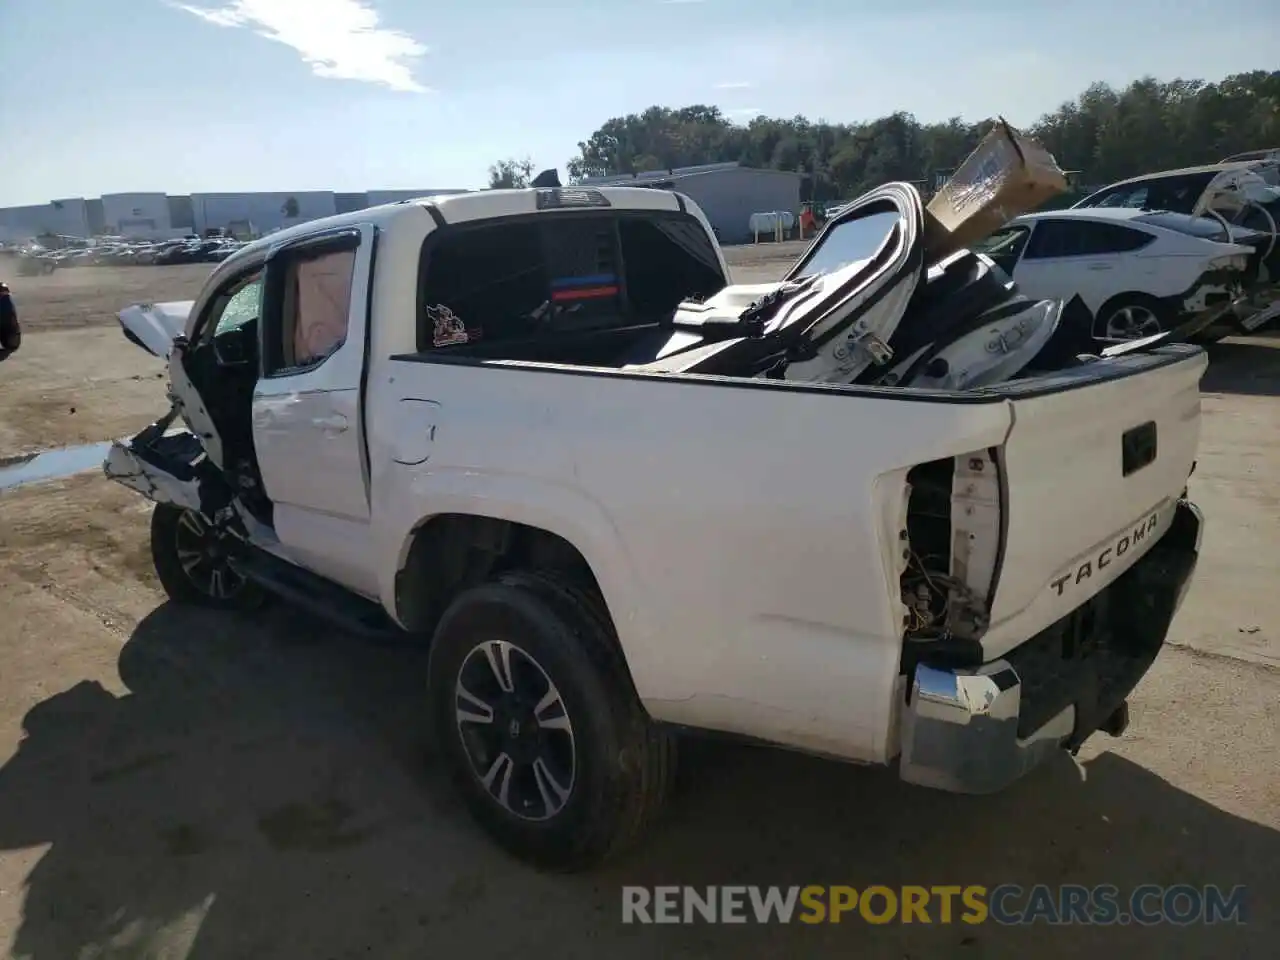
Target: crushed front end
168	467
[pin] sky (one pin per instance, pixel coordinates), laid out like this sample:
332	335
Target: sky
180	96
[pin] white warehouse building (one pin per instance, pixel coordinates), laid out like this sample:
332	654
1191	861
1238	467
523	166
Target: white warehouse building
728	193
136	214
159	216
69	217
259	213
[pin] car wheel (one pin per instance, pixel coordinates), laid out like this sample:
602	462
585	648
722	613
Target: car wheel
192	560
1132	318
540	726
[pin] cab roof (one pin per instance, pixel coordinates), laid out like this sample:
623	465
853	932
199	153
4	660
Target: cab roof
474	206
1208	168
481	205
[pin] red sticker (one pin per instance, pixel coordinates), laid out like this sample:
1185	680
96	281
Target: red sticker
448	327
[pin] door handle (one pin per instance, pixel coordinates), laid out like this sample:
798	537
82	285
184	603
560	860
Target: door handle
1099	266
334	423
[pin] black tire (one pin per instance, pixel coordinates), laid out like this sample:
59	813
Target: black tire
1160	317
619	767
175	534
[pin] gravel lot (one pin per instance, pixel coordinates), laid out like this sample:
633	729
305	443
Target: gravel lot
180	784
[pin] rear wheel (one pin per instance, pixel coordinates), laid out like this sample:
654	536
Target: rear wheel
192	560
539	725
1132	317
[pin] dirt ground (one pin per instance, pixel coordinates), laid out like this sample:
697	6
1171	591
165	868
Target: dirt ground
180	784
76	378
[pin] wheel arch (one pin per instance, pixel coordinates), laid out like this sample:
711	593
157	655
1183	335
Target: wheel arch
447	552
444	553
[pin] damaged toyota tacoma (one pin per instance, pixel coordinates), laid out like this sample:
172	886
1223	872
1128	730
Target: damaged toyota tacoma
875	511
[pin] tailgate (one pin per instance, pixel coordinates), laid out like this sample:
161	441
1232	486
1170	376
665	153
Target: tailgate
1093	466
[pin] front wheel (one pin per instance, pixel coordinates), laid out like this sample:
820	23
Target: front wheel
539	725
192	560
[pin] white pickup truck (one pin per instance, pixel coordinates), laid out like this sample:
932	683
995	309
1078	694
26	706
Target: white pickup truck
623	499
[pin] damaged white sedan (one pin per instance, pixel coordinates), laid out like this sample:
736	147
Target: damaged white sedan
877	511
1140	273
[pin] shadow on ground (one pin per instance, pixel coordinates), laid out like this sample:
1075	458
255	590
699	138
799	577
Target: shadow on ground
264	791
1244	365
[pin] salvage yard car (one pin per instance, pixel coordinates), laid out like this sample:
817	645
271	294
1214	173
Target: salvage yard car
867	512
1139	272
1242	193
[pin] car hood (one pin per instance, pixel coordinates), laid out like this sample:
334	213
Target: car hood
154	326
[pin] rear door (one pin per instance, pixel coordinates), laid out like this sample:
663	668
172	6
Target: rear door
1053	264
1067	256
307	429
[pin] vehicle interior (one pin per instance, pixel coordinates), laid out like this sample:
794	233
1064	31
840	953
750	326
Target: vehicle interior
223	366
585	290
1005	246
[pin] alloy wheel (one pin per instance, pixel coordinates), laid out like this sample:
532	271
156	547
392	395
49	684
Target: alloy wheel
515	730
1132	323
204	553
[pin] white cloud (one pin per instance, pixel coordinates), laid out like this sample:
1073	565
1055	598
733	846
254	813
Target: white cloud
735	85
339	39
751	112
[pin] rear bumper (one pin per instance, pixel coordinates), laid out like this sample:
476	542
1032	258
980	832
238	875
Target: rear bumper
1259	308
1216	300
978	730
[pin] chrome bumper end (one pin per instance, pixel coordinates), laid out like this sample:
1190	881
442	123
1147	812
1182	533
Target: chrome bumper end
959	728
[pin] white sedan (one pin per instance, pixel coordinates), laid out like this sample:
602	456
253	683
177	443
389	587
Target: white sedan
1139	271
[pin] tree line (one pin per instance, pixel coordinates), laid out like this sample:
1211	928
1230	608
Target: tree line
1102	136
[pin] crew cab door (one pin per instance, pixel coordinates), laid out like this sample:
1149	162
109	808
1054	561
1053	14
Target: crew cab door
308	433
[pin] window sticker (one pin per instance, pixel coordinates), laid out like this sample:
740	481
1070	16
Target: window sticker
448	327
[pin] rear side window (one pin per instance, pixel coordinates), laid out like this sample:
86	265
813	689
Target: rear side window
1080	238
560	274
1178	194
483	283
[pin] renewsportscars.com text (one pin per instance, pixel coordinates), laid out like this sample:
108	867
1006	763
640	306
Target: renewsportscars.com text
1007	904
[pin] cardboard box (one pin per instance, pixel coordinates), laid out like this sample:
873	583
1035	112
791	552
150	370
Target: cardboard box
1007	175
